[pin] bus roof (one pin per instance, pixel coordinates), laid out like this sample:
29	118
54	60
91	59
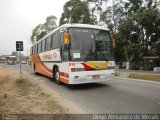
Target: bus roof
74	25
12	56
84	26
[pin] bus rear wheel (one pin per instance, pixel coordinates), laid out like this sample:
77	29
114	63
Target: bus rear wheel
56	75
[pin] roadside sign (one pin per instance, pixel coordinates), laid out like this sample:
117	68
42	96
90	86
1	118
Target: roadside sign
19	45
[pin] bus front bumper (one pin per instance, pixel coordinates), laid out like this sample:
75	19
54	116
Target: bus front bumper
90	76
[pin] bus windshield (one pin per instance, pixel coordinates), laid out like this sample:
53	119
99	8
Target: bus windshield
12	58
90	45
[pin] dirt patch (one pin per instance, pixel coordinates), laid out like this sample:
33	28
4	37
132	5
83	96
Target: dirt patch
23	97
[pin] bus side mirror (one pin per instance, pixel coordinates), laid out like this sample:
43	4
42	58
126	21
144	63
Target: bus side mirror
113	42
67	38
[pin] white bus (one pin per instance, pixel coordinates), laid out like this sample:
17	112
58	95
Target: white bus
75	54
11	60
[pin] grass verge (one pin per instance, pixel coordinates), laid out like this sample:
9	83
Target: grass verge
142	76
150	77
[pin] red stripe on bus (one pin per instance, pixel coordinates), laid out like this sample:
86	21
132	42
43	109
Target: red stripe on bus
87	67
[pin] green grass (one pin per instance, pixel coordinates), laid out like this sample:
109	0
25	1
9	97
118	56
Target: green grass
24	86
20	82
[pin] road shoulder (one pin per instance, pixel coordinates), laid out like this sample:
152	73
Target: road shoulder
29	97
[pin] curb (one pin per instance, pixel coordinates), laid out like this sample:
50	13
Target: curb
150	81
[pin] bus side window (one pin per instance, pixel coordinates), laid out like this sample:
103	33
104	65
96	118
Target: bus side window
37	49
61	44
63	48
53	43
49	42
43	45
46	44
57	40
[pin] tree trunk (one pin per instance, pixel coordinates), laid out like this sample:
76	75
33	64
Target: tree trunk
128	65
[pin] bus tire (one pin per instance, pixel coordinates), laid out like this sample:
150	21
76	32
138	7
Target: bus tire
56	75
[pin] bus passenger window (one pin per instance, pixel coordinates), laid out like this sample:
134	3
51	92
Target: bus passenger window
37	48
51	41
43	45
54	38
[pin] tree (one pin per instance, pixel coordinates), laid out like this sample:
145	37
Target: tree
95	7
50	23
42	29
14	53
76	11
112	15
149	22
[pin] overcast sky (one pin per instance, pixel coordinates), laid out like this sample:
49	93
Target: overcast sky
19	17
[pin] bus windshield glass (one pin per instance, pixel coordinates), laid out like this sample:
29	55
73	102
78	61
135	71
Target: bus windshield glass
90	45
12	58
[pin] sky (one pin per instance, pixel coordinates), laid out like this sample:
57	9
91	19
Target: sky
19	17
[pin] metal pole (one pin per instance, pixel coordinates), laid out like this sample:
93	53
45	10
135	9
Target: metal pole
20	65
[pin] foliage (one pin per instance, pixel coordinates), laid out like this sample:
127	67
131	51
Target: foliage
135	24
95	7
42	29
76	11
14	53
112	15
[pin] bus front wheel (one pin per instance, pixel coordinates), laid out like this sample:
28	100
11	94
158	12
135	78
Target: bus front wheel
35	69
56	75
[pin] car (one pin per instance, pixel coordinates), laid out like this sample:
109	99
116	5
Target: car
157	69
24	62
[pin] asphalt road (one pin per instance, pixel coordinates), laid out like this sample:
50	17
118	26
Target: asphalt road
115	96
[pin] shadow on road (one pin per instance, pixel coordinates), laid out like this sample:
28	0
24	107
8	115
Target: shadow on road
86	86
76	86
